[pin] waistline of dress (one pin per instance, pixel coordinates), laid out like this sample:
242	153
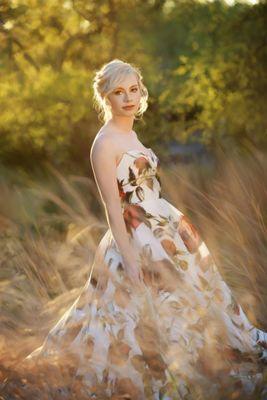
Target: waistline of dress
125	204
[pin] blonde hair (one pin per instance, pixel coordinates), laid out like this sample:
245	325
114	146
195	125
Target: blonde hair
107	78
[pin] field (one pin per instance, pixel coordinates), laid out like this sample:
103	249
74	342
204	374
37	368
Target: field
50	229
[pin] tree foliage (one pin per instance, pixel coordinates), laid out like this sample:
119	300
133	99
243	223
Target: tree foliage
204	65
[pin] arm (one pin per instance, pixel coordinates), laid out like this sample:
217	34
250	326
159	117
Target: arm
103	163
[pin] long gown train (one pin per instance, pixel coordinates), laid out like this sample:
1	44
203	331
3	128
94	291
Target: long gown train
183	328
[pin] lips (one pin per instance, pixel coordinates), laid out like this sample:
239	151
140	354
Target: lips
128	107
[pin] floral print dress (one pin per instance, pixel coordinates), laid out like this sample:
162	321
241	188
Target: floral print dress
183	329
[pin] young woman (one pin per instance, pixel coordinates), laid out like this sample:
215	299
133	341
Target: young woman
155	317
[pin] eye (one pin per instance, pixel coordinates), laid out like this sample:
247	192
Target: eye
120	91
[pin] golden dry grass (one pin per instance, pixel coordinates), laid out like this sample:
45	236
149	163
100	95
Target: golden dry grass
50	231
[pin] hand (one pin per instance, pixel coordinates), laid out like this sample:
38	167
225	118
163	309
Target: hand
134	272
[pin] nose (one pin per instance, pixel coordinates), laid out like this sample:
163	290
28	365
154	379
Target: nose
127	99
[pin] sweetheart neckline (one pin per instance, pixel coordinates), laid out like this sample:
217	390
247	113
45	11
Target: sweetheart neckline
131	150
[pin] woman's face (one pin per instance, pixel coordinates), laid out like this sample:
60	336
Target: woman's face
127	93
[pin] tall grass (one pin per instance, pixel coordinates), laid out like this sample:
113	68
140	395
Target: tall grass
50	229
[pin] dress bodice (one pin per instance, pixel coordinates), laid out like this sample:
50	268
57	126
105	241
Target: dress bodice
137	177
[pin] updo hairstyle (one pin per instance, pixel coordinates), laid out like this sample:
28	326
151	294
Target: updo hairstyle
110	76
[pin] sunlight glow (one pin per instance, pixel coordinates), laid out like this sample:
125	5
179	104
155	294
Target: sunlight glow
170	4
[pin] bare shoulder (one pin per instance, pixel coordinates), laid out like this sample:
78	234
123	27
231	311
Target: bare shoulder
103	147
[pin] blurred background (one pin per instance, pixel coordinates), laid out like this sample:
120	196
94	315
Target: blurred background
204	64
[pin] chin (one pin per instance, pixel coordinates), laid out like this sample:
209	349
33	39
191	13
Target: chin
128	111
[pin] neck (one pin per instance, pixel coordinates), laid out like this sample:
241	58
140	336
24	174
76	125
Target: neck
124	125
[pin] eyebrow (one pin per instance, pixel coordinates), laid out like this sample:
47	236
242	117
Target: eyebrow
119	87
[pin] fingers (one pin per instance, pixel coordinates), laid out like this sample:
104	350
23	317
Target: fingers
136	279
136	276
